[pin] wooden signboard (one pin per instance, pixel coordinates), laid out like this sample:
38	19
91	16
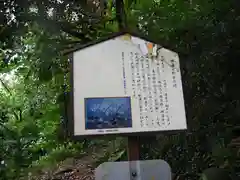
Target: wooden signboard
125	84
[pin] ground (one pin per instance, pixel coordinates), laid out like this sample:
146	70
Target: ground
76	168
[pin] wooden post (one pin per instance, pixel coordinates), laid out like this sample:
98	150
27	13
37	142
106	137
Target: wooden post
120	15
133	141
133	147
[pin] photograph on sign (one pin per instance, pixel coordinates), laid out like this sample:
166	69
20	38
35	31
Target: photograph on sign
108	112
126	84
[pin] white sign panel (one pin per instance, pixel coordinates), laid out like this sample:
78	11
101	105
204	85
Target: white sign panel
127	85
134	170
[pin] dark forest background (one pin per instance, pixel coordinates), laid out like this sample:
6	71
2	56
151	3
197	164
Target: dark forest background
34	75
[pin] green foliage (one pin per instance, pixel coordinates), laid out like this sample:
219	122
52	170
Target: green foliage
214	174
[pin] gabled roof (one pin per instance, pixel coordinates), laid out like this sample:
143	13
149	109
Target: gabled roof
114	35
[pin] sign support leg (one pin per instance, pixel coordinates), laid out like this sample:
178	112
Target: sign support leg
133	157
133	148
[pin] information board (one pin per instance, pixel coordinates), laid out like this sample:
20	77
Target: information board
126	85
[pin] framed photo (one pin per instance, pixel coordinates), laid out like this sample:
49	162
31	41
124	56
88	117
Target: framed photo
108	113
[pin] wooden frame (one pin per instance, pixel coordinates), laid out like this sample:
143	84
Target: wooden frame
71	114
